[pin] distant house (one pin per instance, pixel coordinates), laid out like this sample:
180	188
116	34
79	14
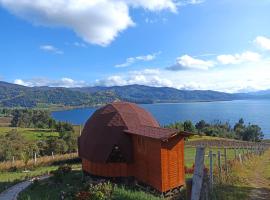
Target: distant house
123	140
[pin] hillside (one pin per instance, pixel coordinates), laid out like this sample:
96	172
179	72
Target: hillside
12	95
146	94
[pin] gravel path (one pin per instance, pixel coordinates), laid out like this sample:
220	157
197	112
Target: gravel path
13	192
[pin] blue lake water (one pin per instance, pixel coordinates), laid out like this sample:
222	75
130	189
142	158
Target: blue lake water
253	111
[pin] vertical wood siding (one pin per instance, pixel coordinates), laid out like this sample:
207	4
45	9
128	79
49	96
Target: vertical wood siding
172	159
156	163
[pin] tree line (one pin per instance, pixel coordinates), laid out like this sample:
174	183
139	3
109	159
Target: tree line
240	130
15	145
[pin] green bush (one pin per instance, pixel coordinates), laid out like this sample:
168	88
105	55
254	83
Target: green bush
101	191
60	173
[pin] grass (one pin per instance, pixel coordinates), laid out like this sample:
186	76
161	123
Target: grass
244	179
72	182
204	137
31	134
7	179
42	161
190	153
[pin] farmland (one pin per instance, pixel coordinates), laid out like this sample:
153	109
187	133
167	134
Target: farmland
14	171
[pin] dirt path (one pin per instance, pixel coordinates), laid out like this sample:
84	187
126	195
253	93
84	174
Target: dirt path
260	179
13	192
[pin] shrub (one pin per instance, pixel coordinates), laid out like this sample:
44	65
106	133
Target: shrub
65	169
60	173
101	191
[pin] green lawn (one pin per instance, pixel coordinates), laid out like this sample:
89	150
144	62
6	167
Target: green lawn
31	133
8	179
190	153
72	182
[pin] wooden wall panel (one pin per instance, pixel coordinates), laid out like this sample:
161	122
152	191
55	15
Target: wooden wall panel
147	164
158	164
106	170
172	159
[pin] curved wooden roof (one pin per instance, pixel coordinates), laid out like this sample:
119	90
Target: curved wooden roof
112	125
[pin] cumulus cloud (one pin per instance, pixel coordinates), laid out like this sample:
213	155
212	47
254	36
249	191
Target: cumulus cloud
187	62
95	21
189	2
132	60
247	56
262	42
150	77
50	48
63	82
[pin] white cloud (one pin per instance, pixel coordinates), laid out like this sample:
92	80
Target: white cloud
188	62
51	48
262	42
154	5
247	56
132	60
150	77
63	82
189	2
95	21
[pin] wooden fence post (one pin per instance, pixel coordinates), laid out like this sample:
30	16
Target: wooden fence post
211	169
35	158
225	161
198	175
240	158
219	163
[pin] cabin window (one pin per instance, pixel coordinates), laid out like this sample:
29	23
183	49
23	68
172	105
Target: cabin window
116	156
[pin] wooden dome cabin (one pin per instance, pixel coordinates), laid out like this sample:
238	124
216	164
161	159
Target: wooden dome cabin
123	140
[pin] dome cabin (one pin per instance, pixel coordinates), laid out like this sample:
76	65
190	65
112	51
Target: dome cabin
123	140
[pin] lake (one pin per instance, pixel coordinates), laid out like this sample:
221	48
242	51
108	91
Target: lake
253	111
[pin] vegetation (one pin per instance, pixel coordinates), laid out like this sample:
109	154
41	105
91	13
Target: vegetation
37	133
239	131
250	180
71	186
12	95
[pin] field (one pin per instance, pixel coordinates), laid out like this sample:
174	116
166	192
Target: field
33	134
73	181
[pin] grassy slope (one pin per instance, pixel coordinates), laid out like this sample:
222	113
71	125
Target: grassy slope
33	134
248	181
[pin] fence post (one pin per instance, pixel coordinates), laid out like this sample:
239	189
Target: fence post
52	155
211	169
198	175
35	158
225	161
240	159
219	163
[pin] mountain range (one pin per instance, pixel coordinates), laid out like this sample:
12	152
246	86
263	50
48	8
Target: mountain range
12	95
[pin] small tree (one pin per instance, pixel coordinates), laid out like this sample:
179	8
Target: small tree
25	157
188	126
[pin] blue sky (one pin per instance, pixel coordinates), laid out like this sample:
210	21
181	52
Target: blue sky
220	45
